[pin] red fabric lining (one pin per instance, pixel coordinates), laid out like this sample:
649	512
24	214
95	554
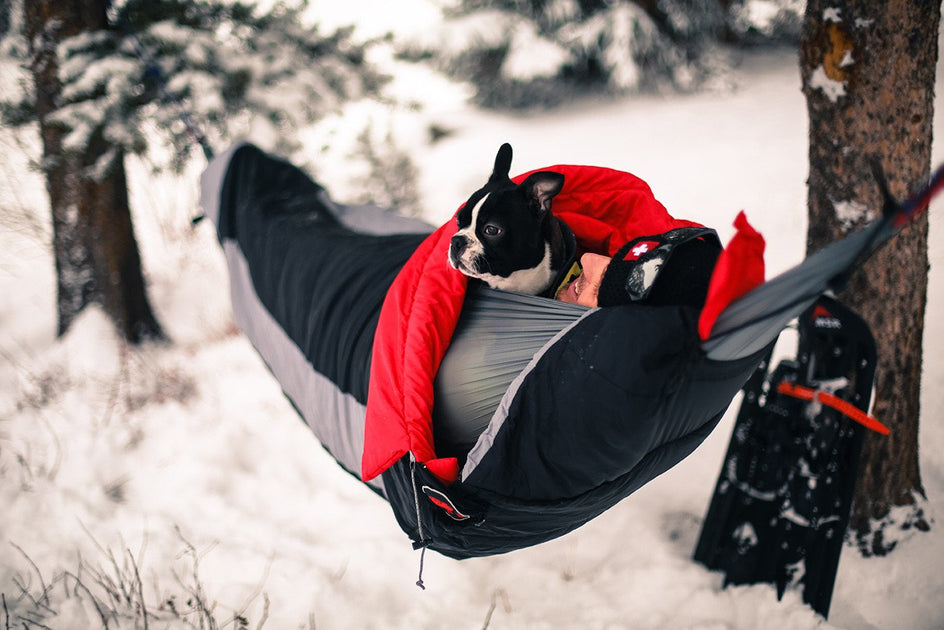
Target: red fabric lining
605	208
412	334
740	268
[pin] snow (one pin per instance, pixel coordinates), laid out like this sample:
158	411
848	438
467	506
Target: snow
184	465
833	89
375	18
627	22
487	28
832	14
531	56
851	213
762	15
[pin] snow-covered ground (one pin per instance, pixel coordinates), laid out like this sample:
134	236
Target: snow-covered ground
184	466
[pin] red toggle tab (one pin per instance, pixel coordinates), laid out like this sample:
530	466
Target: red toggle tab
443	502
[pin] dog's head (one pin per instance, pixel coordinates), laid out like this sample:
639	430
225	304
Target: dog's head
505	231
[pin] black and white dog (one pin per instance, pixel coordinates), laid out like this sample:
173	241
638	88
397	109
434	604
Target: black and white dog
508	237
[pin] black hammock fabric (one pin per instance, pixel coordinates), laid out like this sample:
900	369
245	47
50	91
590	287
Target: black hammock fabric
605	400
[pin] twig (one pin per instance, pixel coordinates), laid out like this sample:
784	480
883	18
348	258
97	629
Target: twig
6	613
33	622
91	537
205	613
106	583
92	598
125	595
53	470
19	217
488	615
265	611
115	389
496	594
137	577
11	360
103	580
24	592
255	593
37	404
42	583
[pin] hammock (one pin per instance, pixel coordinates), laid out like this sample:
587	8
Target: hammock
495	420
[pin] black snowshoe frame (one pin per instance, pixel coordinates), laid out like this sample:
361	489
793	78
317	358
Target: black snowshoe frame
782	501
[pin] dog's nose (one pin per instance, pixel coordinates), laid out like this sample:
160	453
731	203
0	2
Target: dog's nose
456	245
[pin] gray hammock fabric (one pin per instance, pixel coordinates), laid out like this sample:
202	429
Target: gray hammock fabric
498	335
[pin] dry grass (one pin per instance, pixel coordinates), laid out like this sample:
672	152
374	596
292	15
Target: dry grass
112	594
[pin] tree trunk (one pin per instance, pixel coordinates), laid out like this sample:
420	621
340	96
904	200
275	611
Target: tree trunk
868	76
97	259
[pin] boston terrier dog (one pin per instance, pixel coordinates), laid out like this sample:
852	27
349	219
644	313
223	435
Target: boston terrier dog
507	236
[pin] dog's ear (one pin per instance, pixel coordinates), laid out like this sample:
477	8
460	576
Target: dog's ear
502	164
541	187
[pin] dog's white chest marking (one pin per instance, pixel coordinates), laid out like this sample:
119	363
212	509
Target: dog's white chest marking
524	280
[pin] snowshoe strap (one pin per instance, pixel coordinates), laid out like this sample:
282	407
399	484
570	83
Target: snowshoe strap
830	400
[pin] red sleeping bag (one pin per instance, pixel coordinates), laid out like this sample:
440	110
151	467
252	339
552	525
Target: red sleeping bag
605	208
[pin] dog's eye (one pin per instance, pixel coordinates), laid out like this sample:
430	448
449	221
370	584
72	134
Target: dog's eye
491	230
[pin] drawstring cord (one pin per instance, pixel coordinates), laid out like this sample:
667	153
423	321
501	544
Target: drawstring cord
419	580
422	543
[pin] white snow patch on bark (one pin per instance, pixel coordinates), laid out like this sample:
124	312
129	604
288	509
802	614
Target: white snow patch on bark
832	14
850	213
832	89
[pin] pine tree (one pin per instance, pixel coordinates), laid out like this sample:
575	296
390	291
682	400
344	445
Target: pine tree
519	53
868	74
103	75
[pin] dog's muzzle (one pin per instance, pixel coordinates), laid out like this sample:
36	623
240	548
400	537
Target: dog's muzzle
462	256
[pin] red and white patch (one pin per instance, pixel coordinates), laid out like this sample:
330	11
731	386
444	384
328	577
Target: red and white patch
640	248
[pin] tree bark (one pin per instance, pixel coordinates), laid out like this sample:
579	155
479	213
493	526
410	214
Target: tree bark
868	75
97	258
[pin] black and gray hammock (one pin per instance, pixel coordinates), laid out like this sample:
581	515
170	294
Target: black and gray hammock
556	411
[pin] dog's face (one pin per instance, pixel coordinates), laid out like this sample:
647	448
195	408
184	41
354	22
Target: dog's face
503	235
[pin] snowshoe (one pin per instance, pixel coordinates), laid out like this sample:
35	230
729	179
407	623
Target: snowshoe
782	501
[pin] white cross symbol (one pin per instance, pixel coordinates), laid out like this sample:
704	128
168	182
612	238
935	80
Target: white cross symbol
640	249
